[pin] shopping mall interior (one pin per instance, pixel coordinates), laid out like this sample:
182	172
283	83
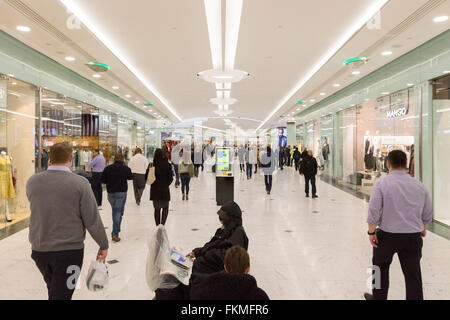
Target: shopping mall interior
349	80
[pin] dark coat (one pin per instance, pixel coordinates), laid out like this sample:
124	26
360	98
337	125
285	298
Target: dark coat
308	166
225	286
159	190
115	177
210	257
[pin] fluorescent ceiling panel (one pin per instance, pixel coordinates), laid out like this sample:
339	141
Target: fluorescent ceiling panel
96	29
367	15
233	22
213	9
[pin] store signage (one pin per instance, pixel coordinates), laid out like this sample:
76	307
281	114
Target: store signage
395	113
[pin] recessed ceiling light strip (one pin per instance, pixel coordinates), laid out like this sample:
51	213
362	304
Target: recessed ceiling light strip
213	9
233	22
368	14
81	14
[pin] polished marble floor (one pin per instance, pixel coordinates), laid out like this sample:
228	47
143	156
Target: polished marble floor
300	248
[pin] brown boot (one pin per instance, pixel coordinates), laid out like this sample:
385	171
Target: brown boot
187	197
115	239
184	197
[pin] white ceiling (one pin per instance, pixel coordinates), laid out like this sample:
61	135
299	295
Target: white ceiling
279	44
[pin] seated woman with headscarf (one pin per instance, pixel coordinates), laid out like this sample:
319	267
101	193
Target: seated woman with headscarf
209	259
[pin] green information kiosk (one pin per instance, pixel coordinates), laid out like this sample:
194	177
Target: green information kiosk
224	176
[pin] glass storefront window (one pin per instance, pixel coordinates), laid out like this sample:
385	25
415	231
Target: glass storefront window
441	149
346	148
17	149
325	145
108	135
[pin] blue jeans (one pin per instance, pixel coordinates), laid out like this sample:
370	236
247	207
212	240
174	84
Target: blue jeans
268	182
249	170
117	201
185	179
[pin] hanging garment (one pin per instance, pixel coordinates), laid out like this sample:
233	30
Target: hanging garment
6	180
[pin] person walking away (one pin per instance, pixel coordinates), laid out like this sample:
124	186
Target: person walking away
268	167
256	155
296	157
177	154
280	157
63	207
116	177
287	155
97	164
159	190
248	164
308	168
138	165
241	156
400	206
252	158
186	173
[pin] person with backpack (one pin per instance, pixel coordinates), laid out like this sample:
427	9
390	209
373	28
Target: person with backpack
308	168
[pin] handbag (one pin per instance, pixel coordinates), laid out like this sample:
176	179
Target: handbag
151	176
191	170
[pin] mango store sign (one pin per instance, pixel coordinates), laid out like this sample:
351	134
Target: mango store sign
395	113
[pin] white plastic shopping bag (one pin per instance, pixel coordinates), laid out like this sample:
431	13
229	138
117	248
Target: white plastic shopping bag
98	277
162	272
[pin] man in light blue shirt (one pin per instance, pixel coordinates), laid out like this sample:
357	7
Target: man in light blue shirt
98	164
400	206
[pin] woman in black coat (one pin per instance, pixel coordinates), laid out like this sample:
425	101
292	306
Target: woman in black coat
159	190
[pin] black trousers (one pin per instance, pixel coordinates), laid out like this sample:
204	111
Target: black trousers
138	186
408	247
60	270
311	179
96	184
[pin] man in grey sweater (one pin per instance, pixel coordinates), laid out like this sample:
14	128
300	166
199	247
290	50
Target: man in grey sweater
63	206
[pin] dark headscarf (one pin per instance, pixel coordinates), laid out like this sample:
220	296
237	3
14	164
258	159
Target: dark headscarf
234	212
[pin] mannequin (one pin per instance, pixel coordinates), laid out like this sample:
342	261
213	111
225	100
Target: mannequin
6	182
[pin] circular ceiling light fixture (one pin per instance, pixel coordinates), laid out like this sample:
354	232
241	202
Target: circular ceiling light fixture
440	19
98	66
323	94
223	101
128	96
218	76
70	59
148	103
23	28
300	102
355	62
115	88
336	85
96	76
386	53
356	72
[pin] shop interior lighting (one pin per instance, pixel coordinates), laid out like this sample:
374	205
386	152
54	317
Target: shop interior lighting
368	14
83	15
